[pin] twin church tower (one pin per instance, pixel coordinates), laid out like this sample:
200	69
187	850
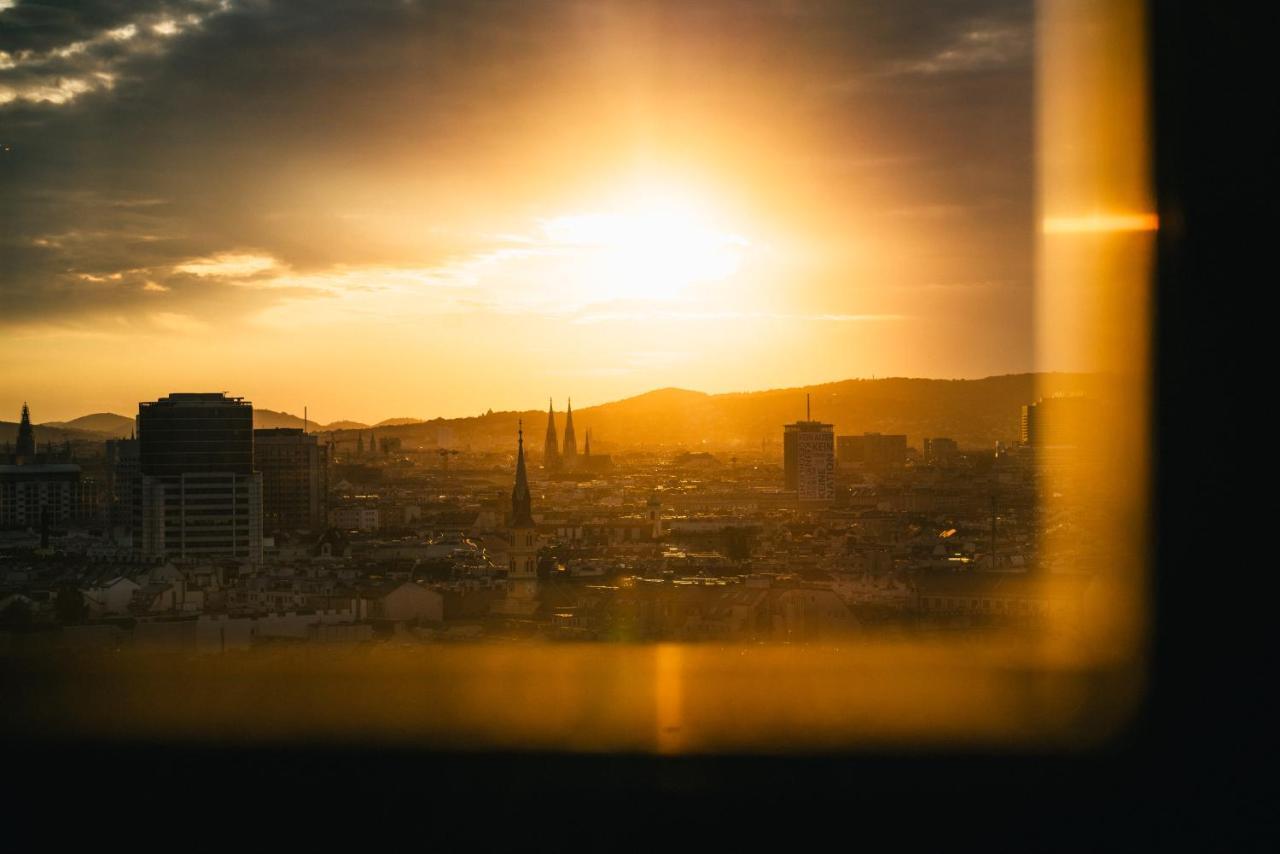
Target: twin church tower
557	457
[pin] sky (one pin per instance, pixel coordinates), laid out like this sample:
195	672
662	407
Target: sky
388	209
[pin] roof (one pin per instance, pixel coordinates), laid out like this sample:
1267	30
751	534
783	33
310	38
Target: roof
1001	584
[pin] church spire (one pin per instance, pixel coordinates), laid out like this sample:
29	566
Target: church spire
550	446
570	452
26	435
586	446
521	500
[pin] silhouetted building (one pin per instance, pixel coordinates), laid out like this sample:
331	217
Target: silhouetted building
25	451
199	496
123	475
940	451
590	462
25	447
28	490
808	459
551	445
522	563
569	450
872	451
36	486
295	479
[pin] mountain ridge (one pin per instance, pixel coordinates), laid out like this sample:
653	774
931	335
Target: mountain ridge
975	412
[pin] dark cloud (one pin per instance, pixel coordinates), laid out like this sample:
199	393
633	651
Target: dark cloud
238	131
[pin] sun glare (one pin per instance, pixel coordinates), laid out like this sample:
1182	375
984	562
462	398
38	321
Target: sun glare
650	248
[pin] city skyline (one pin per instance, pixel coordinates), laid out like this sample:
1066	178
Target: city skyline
467	204
297	410
902	405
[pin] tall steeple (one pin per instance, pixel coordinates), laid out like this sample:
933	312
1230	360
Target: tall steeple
26	436
521	500
522	554
570	452
551	446
586	446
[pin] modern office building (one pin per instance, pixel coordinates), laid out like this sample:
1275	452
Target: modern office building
808	459
872	451
198	496
295	480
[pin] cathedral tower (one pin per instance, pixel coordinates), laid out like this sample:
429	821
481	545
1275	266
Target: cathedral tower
570	452
550	446
26	448
522	567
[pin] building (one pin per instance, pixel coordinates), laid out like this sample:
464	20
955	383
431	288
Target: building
808	459
37	487
569	450
355	517
522	555
36	492
295	479
872	451
590	462
551	445
198	494
1054	421
25	448
400	602
940	451
653	513
123	473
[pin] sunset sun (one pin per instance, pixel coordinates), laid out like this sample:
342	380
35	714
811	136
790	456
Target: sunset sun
649	246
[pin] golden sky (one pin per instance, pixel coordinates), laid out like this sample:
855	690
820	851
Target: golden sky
417	209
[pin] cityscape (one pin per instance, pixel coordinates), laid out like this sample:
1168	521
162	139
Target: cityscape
201	532
624	420
715	376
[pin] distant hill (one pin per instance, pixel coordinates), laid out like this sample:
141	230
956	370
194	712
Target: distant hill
976	413
397	422
264	419
343	425
107	423
52	433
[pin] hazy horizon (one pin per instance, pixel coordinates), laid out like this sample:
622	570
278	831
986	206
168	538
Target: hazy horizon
365	208
130	409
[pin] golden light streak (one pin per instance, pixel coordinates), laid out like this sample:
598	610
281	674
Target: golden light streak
668	674
1100	223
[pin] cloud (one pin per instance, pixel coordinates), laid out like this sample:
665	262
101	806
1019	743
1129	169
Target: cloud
229	265
51	57
645	316
239	161
978	49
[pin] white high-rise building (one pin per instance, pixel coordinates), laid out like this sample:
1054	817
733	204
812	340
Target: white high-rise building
809	459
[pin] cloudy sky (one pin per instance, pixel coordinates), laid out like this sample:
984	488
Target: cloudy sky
402	208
